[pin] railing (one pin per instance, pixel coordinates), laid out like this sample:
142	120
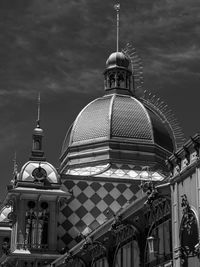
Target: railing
32	246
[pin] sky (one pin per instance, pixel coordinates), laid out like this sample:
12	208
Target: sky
59	48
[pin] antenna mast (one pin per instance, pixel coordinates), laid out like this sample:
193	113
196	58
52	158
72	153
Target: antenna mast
117	8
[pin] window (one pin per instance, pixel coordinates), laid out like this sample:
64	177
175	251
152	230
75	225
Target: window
36	223
128	255
161	231
101	263
189	237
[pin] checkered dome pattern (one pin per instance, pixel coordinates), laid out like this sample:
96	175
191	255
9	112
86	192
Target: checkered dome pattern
4	214
92	203
27	170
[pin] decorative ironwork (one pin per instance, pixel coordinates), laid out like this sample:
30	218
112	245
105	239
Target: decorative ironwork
188	215
157	211
39	174
6	246
122	231
116	223
178	162
190	246
69	258
94	247
170	166
196	146
187	154
151	192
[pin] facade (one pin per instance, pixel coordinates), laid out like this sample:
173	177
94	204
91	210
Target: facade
124	194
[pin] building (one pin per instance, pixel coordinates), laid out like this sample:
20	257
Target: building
124	194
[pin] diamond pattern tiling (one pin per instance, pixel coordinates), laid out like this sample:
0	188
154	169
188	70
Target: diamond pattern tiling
115	193
75	216
134	187
89	205
92	203
82	185
128	193
74	204
115	207
88	219
95	186
89	191
102	206
62	217
80	225
82	198
70	185
121	187
121	200
108	199
95	198
73	232
102	192
67	225
66	238
108	186
95	212
76	190
67	211
81	212
101	218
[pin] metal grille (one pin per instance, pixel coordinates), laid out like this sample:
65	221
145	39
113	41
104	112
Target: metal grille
130	119
93	122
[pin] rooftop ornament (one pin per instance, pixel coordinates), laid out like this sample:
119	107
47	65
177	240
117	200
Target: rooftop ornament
190	244
148	187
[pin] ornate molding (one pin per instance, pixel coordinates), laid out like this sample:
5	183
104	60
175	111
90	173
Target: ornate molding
188	215
122	231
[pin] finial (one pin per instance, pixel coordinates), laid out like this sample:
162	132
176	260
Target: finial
15	164
38	111
117	8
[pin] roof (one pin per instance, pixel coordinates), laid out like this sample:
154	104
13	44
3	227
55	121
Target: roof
4	214
27	171
117	117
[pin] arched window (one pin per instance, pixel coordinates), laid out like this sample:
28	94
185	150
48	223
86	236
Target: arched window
36	223
162	251
189	238
103	262
128	255
159	220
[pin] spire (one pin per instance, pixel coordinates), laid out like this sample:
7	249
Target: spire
38	111
15	172
37	152
117	8
118	76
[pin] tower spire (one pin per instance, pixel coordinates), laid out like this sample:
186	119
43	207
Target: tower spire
15	165
38	111
37	151
117	8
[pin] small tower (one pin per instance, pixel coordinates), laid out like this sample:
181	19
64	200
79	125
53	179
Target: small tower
118	76
37	152
34	201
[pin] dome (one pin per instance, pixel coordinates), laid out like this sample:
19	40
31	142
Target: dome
36	170
117	59
38	131
117	128
4	213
